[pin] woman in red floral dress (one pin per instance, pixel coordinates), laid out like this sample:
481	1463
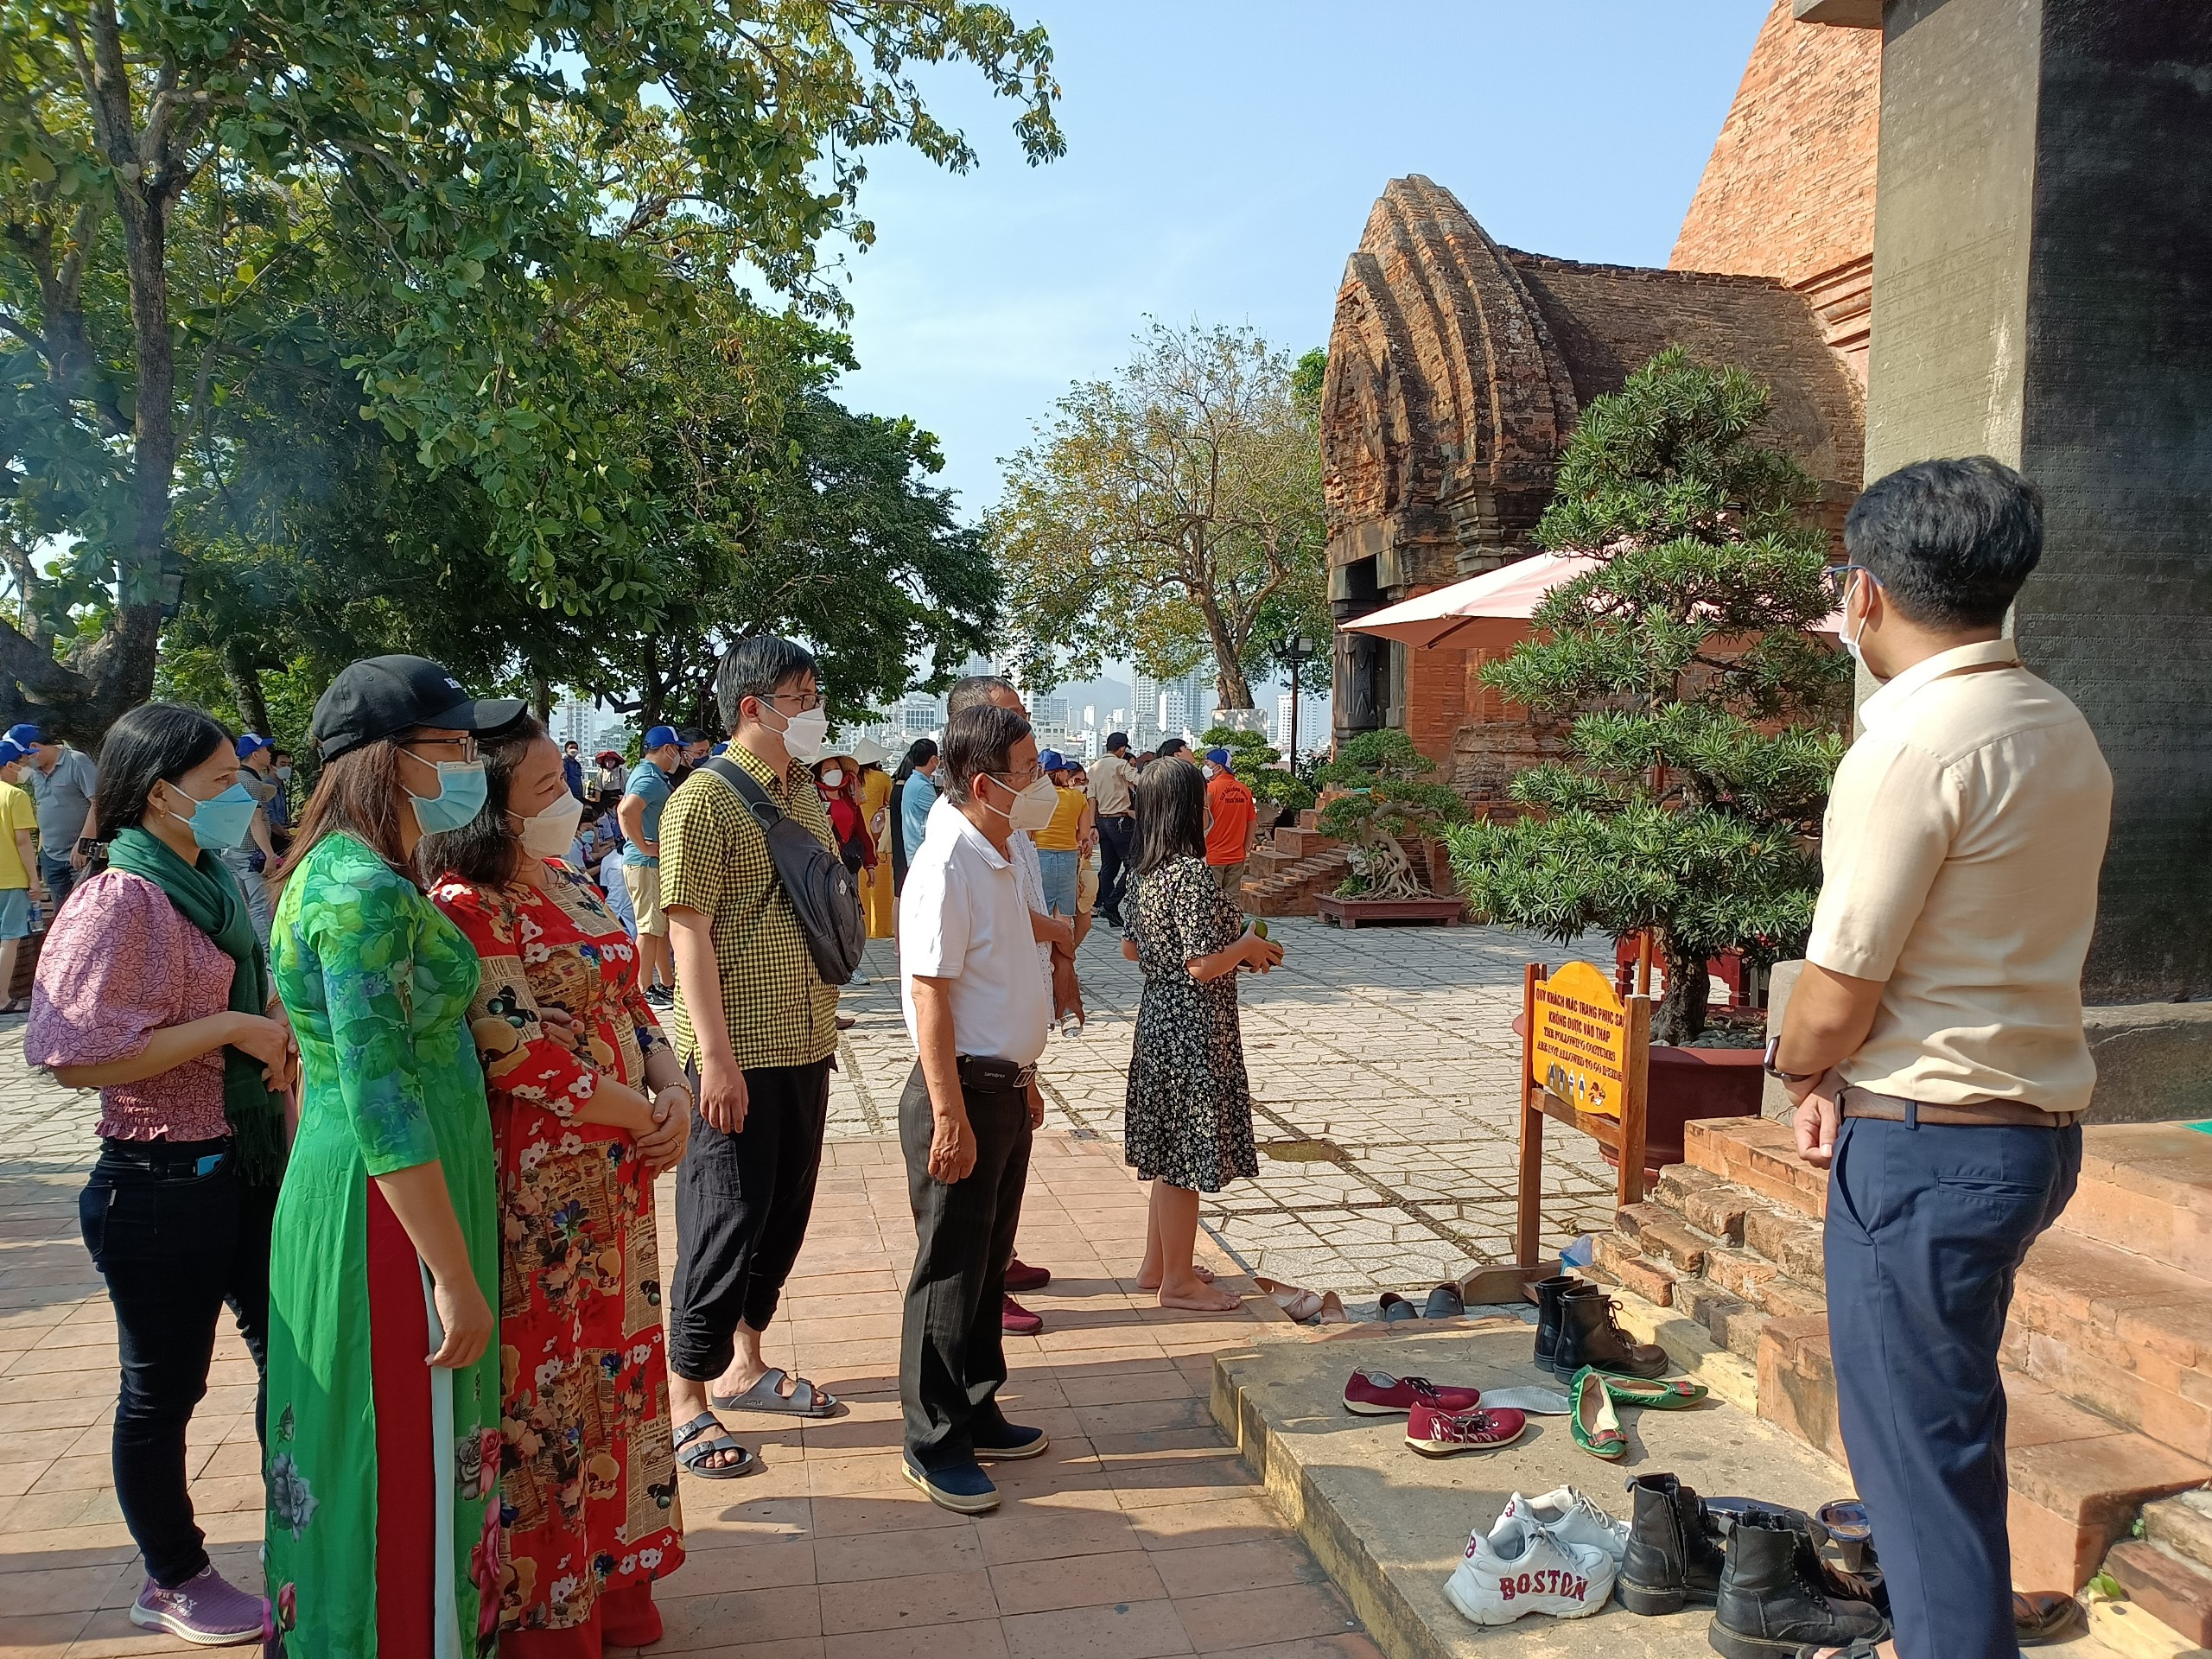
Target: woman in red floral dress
586	1108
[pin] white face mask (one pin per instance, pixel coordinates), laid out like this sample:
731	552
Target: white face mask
833	778
1851	641
804	733
550	833
1033	808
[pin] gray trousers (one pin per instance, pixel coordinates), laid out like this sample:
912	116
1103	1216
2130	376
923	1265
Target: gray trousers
240	862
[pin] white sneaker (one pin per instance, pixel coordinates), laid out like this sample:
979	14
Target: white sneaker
1521	1567
1573	1518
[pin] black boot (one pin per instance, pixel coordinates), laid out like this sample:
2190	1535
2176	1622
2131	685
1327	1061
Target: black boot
1587	1335
1674	1553
1772	1601
1549	1292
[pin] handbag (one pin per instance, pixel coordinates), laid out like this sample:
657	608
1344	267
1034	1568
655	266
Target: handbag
825	898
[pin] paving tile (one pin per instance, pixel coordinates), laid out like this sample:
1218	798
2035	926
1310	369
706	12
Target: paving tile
1123	1631
916	1601
1246	1619
1087	1580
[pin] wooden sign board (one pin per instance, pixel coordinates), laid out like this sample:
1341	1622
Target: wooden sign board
1586	1055
1579	1039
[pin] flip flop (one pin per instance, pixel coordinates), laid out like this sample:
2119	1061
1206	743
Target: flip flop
1396	1307
1596	1429
1652	1393
768	1395
700	1439
1534	1402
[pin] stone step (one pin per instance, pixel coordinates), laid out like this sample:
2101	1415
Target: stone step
2146	1187
2176	1592
1304	843
2184	1524
1761	1156
2126	1336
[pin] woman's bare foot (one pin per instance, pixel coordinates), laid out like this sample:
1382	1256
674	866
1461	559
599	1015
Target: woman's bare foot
1198	1296
1148	1276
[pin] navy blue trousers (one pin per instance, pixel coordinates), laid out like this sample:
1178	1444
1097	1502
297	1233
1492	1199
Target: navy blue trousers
1926	1226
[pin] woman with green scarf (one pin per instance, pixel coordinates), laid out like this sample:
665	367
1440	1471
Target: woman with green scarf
151	988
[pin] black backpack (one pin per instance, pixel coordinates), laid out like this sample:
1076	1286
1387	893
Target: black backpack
825	895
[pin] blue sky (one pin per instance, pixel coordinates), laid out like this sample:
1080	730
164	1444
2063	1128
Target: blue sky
1222	156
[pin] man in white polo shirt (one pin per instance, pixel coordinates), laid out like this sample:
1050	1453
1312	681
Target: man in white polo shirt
976	1008
1935	1042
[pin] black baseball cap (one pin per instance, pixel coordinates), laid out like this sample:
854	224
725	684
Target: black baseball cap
381	696
1116	740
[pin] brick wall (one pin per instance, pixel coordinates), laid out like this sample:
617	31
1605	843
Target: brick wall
1788	191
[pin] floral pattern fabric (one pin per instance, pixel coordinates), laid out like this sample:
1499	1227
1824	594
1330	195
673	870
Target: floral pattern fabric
586	1469
377	985
1189	1112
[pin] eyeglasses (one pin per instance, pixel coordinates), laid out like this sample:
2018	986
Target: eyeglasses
807	704
1018	780
464	746
1839	580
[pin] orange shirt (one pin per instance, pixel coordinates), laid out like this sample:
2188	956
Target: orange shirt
1230	812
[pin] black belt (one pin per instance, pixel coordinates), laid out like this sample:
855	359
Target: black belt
987	1074
166	1160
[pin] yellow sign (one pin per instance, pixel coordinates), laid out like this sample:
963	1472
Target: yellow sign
1580	1040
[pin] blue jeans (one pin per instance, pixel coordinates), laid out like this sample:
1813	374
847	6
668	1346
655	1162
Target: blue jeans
1927	1226
60	876
1059	870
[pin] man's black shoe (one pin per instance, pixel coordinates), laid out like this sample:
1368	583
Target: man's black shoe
1588	1336
1548	1293
1675	1552
1772	1602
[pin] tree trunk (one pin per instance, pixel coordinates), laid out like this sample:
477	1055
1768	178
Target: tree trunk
246	687
541	699
1681	1013
1235	690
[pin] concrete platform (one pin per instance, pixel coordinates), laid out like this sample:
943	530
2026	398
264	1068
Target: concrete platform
1390	1525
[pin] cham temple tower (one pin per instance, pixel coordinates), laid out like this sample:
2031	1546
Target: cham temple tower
1459	367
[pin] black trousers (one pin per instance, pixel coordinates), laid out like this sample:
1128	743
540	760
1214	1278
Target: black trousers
1116	855
174	1246
1927	1226
742	1202
952	1350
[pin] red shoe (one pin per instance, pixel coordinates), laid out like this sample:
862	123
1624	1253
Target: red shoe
1018	1321
1378	1394
1020	1275
1439	1434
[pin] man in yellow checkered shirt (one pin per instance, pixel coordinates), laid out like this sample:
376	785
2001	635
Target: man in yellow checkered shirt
756	1029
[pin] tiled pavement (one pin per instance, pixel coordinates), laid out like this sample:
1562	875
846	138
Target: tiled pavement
1391	1048
1138	1535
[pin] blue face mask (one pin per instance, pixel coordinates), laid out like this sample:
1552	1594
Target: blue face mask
221	824
459	800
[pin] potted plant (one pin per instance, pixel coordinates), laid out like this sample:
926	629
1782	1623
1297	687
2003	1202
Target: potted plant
1378	793
1707	715
1280	794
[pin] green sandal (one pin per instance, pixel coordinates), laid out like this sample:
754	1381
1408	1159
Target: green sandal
1652	1393
1596	1429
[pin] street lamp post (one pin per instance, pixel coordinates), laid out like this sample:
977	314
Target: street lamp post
1295	651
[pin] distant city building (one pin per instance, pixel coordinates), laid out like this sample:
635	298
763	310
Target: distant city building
1312	722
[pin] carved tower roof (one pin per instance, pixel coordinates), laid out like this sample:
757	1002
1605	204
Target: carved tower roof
1446	398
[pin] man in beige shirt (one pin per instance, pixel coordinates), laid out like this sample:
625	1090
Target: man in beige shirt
1935	1043
1110	779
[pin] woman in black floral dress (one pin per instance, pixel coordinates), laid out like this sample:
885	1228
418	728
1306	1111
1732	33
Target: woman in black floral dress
1188	1126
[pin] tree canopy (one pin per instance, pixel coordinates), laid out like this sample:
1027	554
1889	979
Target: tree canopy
1707	715
1172	512
226	225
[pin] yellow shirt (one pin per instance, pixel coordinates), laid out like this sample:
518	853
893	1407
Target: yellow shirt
875	795
1961	853
1059	836
16	813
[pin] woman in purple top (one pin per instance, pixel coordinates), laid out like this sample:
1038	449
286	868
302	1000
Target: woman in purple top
142	991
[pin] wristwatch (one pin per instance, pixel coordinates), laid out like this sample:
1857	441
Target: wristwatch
1773	1048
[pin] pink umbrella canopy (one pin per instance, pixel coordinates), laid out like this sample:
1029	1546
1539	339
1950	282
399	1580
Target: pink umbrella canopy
1492	609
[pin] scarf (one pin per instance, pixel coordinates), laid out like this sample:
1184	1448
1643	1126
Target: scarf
207	895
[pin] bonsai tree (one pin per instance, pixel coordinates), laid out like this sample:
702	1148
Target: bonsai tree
1390	796
1253	759
1706	715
